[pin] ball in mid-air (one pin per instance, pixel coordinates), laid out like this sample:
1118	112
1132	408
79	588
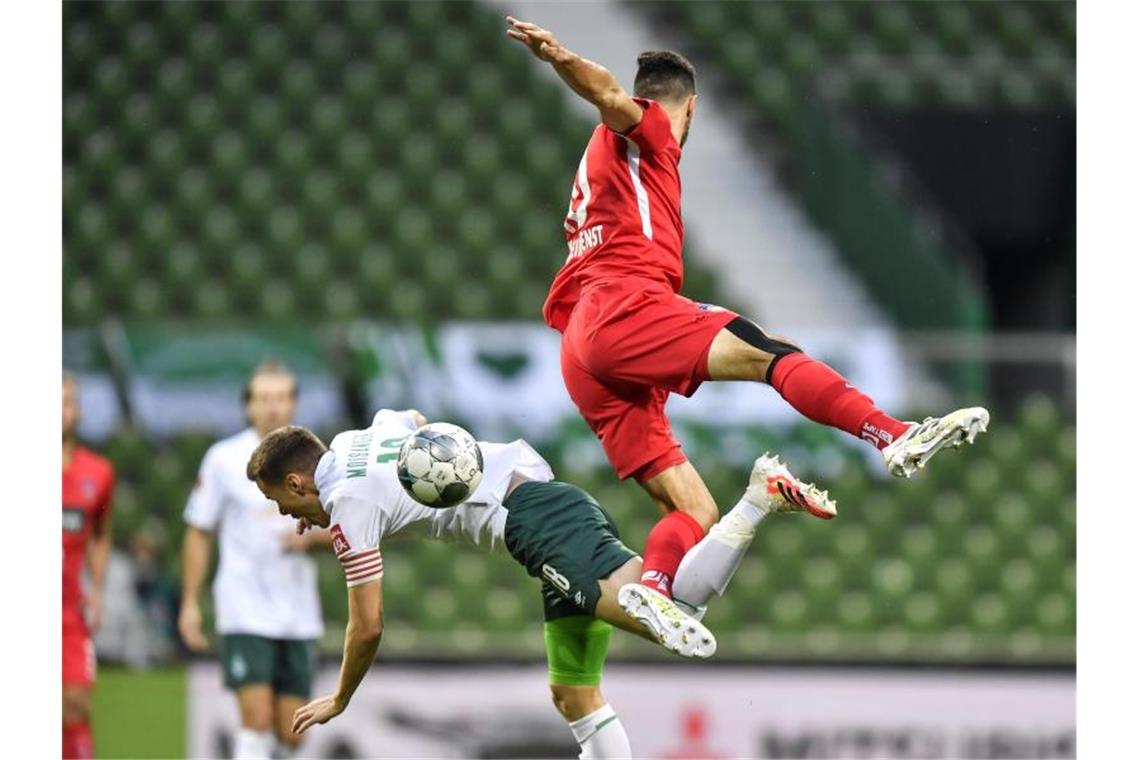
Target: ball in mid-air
440	465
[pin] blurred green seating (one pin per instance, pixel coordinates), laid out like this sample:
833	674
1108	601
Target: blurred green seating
230	129
895	53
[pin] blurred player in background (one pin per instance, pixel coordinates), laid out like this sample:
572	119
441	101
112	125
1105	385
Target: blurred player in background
629	338
555	530
88	483
266	606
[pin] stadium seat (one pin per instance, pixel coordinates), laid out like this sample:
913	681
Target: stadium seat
273	124
281	158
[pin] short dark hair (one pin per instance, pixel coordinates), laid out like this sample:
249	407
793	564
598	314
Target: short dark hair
288	449
663	75
270	366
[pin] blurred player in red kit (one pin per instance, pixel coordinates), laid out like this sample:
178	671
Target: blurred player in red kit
629	337
88	482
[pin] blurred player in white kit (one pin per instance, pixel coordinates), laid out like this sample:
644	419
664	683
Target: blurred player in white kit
266	606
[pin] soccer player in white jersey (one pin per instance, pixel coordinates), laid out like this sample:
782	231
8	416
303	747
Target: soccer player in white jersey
555	530
267	610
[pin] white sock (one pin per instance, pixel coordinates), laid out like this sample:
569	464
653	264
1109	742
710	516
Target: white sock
707	568
601	735
253	745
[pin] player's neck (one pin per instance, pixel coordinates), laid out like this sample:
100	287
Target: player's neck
69	447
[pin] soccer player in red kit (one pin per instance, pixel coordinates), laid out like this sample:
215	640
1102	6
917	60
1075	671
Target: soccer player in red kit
629	338
88	482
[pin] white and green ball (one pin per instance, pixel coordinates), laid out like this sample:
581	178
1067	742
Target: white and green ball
440	465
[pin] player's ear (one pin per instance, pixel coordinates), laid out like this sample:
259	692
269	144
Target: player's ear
295	484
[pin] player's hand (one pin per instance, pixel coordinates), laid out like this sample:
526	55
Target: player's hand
303	525
318	711
541	42
190	627
94	610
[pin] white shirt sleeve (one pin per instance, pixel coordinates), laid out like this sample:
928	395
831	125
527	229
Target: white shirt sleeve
355	532
208	499
405	418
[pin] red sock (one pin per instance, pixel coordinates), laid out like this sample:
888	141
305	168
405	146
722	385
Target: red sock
77	741
821	394
672	536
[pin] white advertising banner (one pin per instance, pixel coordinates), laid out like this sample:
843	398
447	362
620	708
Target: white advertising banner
721	711
506	379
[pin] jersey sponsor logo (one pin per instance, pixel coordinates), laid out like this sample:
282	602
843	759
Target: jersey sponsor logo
586	240
339	542
73	519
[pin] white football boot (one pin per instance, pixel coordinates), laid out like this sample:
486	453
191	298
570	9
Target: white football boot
669	626
913	449
772	486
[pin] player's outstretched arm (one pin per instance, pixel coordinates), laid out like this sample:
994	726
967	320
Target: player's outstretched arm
591	81
361	640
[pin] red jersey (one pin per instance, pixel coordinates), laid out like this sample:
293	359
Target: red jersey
88	482
625	213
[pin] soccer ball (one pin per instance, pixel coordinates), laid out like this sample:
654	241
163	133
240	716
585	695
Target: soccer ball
440	465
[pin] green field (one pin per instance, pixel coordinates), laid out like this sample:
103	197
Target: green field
140	714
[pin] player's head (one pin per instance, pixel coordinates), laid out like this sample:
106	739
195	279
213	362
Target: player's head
70	405
270	396
671	80
284	465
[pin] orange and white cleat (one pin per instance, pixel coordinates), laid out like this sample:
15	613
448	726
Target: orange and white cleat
774	488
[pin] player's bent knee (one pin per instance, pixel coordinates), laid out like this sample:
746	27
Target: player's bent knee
257	718
286	736
704	514
574	702
758	360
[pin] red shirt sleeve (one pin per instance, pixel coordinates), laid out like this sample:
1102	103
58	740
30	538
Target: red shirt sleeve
653	133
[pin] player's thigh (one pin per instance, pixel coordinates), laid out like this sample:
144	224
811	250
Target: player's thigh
681	487
630	423
576	648
661	342
742	350
609	610
255	706
293	667
247	665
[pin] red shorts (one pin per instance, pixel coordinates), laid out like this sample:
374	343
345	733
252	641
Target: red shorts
78	654
627	346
